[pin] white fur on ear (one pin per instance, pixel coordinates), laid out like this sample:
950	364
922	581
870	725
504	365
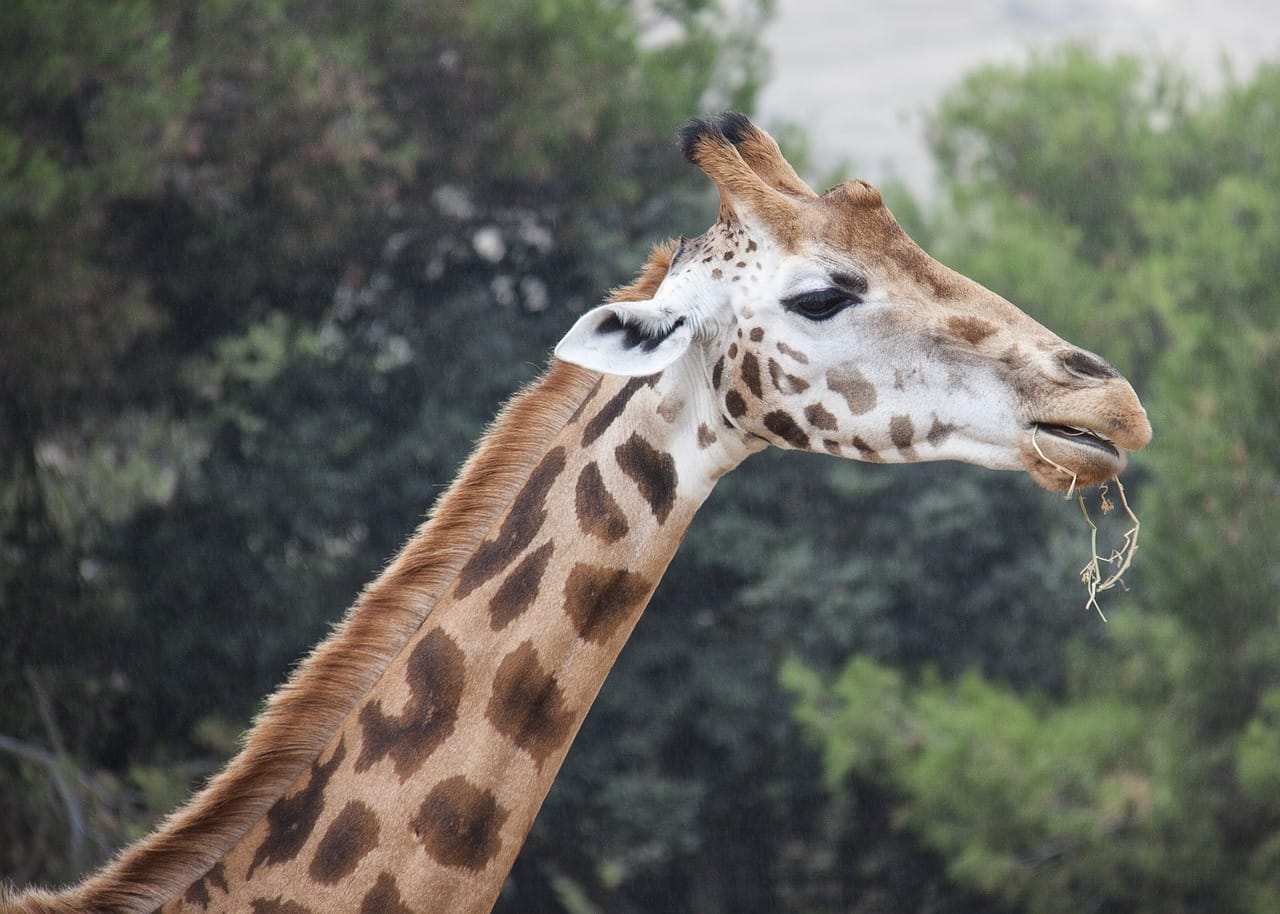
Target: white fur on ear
632	338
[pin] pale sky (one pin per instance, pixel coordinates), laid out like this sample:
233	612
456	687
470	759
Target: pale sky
857	75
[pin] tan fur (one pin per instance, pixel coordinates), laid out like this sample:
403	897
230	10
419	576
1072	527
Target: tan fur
646	283
741	187
302	716
761	152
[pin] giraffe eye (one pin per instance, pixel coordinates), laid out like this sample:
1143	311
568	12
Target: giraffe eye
820	304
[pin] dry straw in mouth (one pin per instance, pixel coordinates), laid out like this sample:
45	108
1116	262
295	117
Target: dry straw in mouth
1120	559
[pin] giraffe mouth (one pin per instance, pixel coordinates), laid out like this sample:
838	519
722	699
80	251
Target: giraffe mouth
1074	434
1062	457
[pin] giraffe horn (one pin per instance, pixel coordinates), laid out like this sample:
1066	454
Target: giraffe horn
747	167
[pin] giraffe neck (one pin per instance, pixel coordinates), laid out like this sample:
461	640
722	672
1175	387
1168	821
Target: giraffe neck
424	789
427	791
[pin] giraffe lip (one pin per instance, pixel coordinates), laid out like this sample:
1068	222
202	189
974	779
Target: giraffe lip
1075	434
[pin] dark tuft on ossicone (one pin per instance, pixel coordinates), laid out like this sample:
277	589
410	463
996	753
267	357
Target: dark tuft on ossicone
729	127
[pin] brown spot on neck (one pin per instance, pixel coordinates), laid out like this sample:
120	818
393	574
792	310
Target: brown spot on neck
435	674
653	472
598	512
458	824
527	705
278	905
526	517
384	898
520	589
291	819
198	892
350	836
598	600
601	421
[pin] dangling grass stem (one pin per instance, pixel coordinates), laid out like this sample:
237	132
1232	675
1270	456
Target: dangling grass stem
1120	558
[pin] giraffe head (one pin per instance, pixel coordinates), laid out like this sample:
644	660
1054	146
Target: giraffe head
818	324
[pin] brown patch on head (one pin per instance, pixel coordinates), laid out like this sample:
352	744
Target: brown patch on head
793	353
459	823
757	334
653	472
435	674
278	905
902	432
384	898
750	370
717	373
857	391
865	451
786	383
972	330
1013	357
706	435
198	892
817	415
784	425
735	404
670	408
939	432
598	513
520	589
292	818
600	599
349	837
832	446
527	515
527	705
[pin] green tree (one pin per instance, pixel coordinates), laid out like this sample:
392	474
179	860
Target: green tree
1145	784
254	255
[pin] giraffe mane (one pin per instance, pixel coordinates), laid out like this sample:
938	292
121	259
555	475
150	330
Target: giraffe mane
323	690
646	283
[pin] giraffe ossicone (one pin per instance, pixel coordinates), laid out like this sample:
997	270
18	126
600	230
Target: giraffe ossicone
402	765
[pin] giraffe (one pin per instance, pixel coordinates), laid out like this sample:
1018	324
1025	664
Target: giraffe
401	766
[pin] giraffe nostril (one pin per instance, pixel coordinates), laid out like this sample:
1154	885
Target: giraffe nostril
1084	364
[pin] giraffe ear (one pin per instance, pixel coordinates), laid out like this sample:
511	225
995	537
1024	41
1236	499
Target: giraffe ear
632	338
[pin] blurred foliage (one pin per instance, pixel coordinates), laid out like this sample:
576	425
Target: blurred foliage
268	268
1141	219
